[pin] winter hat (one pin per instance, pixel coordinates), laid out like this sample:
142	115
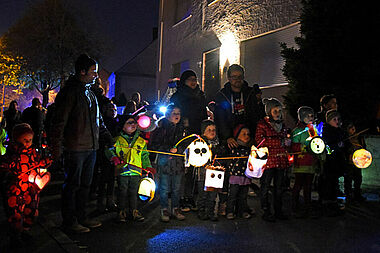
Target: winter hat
185	75
124	118
21	129
238	129
303	112
205	123
330	114
271	103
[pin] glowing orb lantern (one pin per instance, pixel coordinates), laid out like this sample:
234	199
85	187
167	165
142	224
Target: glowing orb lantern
144	121
316	145
256	161
214	178
362	158
197	153
147	189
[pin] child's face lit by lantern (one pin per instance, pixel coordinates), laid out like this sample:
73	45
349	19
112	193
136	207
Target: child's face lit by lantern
244	135
175	116
351	130
309	119
276	113
26	140
130	126
334	122
210	132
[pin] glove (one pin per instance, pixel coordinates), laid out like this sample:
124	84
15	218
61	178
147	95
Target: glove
115	160
151	170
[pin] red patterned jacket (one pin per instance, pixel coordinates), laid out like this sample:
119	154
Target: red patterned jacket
277	157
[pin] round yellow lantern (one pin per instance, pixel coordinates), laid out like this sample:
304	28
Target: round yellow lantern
362	158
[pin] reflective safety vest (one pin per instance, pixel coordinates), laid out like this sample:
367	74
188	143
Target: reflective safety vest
130	155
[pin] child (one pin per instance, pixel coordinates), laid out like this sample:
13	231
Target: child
353	173
22	196
304	162
333	135
170	168
206	199
271	132
239	183
130	155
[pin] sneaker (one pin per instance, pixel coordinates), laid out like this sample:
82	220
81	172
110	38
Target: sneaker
91	223
184	205
192	205
137	216
177	214
230	216
121	216
246	215
76	228
222	209
165	215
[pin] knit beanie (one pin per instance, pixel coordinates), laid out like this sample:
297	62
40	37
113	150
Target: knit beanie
185	75
238	129
21	129
330	114
303	112
124	118
205	123
271	103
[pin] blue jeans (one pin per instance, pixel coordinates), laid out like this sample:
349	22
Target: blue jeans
78	167
170	183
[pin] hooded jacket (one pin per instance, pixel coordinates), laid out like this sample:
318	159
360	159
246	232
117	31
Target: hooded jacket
77	122
224	118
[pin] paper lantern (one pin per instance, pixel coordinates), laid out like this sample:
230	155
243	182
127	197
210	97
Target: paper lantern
316	145
197	153
147	189
39	179
214	178
256	161
362	158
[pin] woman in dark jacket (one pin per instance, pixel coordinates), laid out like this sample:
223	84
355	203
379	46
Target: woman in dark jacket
12	117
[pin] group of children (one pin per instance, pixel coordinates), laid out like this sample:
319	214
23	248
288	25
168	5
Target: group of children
130	159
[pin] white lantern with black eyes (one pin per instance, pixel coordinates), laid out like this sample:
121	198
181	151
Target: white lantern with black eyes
197	153
214	178
316	145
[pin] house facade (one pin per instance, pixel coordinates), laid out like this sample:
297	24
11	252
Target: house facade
208	36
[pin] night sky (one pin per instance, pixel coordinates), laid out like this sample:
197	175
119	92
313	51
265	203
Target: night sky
127	24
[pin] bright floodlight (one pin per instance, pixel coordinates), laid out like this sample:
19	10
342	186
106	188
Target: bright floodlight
163	109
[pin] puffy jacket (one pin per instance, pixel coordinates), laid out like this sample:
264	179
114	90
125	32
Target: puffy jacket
304	162
77	122
277	157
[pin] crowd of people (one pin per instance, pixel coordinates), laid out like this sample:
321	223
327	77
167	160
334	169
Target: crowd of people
105	155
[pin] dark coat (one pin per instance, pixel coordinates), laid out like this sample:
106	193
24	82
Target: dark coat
192	103
163	139
12	118
334	138
77	123
224	118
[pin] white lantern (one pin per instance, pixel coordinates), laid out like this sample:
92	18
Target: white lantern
316	145
147	189
214	178
256	162
197	153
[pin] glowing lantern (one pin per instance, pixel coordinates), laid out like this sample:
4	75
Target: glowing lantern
39	179
197	153
146	121
214	178
362	158
316	145
147	189
256	161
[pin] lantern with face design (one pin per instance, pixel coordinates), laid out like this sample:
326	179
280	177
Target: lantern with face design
362	158
256	162
197	153
316	145
214	178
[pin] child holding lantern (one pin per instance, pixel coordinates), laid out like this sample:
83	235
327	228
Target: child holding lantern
21	188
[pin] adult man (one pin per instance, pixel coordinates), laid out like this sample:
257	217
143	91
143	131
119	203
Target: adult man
235	105
77	125
34	116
